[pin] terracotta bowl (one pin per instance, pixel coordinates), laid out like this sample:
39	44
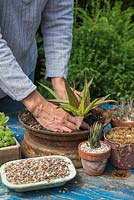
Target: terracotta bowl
42	142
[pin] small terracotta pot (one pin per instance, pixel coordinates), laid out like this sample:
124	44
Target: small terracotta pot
94	163
122	155
120	123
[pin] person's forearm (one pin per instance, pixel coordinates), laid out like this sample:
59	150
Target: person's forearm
59	86
34	101
13	81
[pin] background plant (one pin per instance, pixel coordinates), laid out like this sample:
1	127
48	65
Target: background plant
103	47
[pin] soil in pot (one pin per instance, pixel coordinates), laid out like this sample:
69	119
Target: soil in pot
99	114
122	143
94	159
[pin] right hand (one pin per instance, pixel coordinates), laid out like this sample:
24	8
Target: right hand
51	116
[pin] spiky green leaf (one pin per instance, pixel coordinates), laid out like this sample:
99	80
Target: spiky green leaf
70	108
50	90
73	101
91	106
87	99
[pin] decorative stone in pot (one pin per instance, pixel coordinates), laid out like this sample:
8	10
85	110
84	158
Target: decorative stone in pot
93	152
121	140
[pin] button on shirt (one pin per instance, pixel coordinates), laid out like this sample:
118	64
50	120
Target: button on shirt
19	21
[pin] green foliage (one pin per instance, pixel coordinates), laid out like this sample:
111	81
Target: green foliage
6	135
103	47
3	119
95	135
78	106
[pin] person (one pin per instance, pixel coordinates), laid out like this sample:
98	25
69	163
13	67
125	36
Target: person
19	22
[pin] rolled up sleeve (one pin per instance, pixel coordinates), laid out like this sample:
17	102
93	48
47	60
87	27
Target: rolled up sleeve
57	23
13	81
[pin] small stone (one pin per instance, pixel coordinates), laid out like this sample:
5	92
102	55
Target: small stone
32	171
86	147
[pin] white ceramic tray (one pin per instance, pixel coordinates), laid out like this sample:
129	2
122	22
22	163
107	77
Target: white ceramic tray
41	184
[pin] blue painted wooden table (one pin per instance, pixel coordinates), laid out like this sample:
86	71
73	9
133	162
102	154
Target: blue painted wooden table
82	187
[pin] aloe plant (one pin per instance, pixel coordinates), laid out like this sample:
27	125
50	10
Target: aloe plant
78	106
95	135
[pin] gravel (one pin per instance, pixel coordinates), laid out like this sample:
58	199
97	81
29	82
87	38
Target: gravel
86	147
32	171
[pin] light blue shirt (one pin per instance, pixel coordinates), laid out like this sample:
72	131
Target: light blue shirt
19	21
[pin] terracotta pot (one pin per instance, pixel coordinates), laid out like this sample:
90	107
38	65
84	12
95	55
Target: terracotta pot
44	143
120	123
94	163
122	155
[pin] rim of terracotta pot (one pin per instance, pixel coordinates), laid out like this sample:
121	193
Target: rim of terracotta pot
54	133
119	123
106	115
97	156
117	143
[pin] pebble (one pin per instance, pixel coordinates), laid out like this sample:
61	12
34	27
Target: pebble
86	147
32	171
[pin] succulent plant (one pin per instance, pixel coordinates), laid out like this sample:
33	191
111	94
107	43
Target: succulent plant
125	111
95	135
3	119
81	105
6	135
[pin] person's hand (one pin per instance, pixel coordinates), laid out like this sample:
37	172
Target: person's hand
58	84
51	116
